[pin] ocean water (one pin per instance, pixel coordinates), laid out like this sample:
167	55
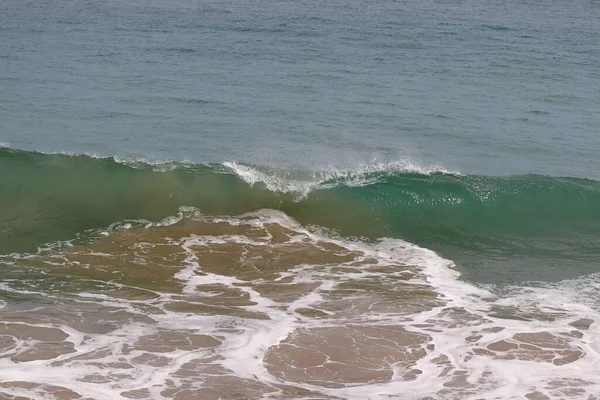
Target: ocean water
299	200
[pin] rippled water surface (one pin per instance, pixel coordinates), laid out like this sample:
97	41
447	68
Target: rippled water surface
299	200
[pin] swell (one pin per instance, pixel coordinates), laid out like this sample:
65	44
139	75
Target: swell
496	221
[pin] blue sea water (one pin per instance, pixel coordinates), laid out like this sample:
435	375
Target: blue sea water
491	88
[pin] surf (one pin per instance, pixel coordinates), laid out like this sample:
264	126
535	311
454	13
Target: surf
544	219
194	303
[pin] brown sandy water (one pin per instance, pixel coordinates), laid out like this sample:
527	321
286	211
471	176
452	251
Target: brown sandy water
256	306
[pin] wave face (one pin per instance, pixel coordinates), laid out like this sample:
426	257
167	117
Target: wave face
498	229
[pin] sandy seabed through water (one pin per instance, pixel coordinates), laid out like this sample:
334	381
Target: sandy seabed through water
258	307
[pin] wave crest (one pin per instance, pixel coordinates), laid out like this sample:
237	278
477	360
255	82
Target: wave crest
304	182
46	198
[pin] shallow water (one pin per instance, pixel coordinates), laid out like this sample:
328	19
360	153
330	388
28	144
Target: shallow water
257	306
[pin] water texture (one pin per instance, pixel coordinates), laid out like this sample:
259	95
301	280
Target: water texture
299	200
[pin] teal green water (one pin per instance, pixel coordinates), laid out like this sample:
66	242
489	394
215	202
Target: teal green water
498	229
505	93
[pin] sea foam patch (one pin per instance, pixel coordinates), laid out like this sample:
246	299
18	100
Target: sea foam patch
259	306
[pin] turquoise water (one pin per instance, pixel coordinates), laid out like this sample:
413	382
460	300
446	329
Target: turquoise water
504	93
497	229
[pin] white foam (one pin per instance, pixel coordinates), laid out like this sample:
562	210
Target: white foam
242	352
274	183
362	175
509	377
